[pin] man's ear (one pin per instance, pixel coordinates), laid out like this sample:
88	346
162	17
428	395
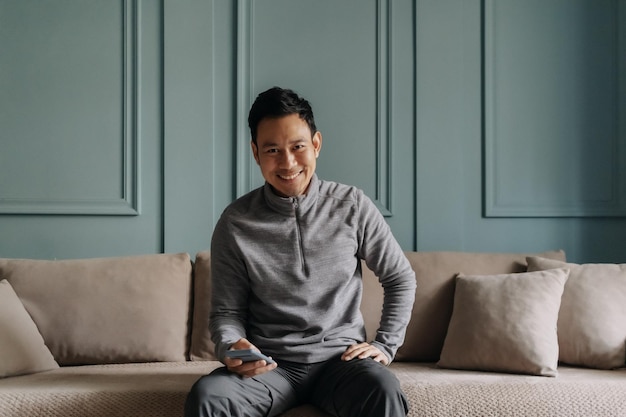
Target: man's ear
255	152
317	143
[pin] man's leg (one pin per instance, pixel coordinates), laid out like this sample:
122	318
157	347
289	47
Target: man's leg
224	394
360	387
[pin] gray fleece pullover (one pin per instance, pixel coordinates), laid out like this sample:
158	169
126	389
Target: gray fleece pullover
286	273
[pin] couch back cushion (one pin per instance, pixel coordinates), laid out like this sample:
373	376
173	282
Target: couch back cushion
434	296
202	348
107	310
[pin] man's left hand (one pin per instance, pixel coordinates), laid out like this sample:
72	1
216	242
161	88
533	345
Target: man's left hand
365	350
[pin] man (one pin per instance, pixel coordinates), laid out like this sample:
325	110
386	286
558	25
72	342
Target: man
286	273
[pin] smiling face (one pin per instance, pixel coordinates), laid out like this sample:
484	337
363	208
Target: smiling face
286	152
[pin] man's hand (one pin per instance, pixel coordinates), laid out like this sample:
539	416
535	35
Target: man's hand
246	369
365	350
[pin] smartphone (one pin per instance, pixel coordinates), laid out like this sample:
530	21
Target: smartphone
248	355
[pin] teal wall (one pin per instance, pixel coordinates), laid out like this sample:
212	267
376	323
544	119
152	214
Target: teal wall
494	125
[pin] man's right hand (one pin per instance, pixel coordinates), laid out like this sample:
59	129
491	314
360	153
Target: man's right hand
247	369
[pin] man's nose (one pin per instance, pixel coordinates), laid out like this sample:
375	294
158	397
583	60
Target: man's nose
287	160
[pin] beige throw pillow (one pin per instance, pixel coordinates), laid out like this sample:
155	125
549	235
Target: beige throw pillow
592	320
505	323
108	310
435	273
22	349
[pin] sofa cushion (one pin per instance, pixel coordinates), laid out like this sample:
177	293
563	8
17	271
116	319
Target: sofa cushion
436	392
107	310
435	273
202	348
592	320
160	389
505	323
22	349
121	390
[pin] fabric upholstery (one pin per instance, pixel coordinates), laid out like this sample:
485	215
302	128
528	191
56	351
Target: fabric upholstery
22	349
202	348
505	323
107	310
433	392
137	390
592	320
435	273
160	389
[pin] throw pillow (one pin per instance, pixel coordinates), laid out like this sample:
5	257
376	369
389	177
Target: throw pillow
22	349
505	323
592	320
434	296
108	310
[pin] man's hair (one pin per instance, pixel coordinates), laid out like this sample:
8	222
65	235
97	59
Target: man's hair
278	102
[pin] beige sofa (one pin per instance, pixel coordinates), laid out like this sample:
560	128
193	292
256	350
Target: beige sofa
128	336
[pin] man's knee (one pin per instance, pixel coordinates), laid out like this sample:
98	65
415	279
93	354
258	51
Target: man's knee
222	394
384	396
205	399
379	380
362	388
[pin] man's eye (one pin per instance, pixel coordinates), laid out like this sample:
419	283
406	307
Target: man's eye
272	150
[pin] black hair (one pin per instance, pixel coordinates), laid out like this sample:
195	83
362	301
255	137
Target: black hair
278	102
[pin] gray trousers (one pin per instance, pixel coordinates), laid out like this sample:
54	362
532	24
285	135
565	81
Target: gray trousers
360	387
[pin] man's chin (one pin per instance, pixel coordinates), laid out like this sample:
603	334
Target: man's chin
286	192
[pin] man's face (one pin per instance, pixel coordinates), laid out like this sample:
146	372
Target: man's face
286	153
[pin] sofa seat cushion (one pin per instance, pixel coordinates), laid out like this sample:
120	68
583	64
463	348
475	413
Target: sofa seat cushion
140	389
160	389
436	392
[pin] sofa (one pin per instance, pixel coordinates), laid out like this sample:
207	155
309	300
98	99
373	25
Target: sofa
491	334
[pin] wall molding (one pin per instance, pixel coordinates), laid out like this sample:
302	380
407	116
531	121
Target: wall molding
245	163
129	202
612	205
246	166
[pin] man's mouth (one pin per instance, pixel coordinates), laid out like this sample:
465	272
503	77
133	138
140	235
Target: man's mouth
289	177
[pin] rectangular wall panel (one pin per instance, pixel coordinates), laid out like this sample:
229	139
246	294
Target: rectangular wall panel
554	146
69	107
190	183
81	138
345	73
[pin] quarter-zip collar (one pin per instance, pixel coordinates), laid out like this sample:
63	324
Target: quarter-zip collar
285	205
